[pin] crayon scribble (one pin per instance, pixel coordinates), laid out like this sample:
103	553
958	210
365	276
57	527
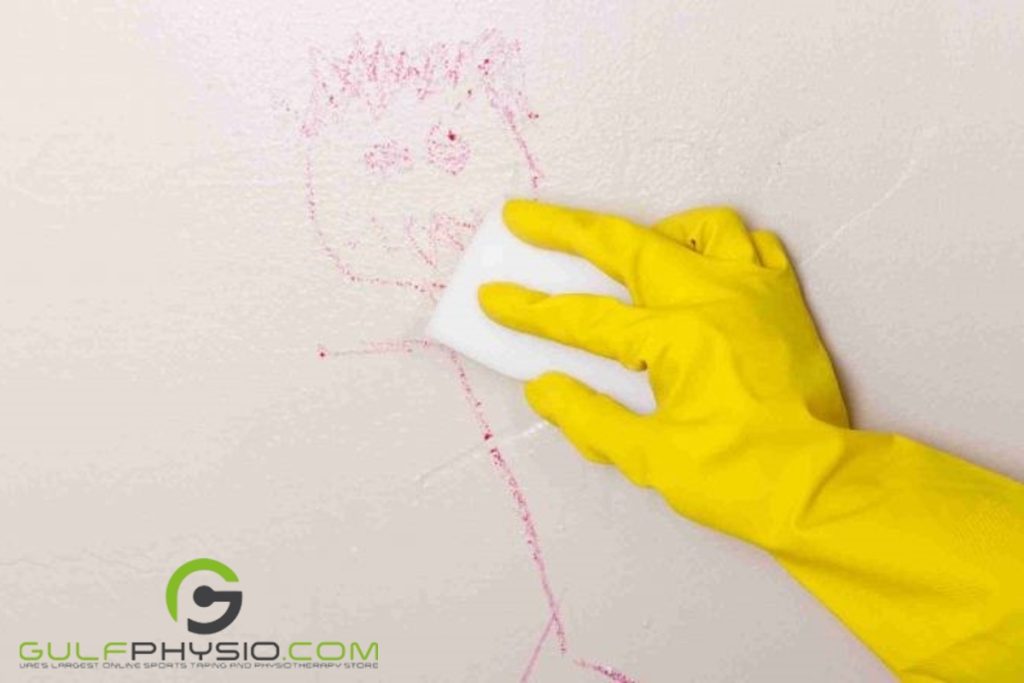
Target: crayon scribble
607	672
388	157
446	150
371	78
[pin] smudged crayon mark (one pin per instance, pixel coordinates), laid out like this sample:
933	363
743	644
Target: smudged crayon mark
446	150
428	287
606	671
388	157
443	231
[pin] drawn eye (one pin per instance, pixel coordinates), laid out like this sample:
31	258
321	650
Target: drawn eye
447	150
388	157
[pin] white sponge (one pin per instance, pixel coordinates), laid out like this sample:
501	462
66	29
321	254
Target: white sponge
495	254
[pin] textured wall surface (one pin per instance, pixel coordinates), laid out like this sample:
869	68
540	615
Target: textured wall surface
222	230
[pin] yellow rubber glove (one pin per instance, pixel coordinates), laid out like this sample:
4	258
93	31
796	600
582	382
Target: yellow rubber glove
920	553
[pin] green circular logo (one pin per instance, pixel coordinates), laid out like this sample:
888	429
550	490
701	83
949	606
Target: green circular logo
205	596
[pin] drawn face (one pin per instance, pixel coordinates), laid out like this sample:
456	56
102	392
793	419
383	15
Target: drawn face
427	139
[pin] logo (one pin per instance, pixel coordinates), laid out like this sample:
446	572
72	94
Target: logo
205	596
217	583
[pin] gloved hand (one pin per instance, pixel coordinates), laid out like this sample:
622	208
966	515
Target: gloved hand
919	553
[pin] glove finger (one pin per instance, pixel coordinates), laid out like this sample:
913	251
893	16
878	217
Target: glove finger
769	247
602	429
713	231
598	324
622	250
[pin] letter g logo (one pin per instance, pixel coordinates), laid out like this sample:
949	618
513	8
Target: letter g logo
204	596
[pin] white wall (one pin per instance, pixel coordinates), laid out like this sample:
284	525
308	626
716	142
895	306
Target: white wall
213	280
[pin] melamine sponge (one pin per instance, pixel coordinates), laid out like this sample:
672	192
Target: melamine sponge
495	254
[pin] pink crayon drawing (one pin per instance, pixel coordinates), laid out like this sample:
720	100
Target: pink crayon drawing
370	79
531	663
373	77
426	286
443	231
446	150
388	157
607	672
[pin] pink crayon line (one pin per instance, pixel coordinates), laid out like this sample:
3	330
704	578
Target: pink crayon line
375	348
508	114
516	490
535	655
607	672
